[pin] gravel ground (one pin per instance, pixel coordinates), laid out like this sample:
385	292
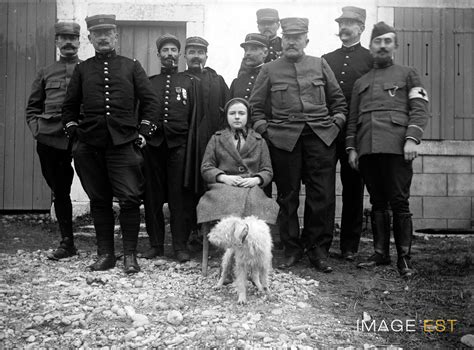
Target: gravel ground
62	305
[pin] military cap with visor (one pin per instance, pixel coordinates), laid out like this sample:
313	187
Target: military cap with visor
267	15
351	12
196	41
294	25
255	39
97	22
67	28
167	38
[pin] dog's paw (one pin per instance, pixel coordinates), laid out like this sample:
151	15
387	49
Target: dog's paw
242	301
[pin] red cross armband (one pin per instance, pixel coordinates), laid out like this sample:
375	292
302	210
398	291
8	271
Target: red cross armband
418	92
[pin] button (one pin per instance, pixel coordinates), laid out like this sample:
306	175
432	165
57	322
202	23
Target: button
247	89
167	85
341	82
345	64
106	86
107	106
105	72
347	56
271	47
167	91
167	97
250	83
252	77
106	68
241	169
166	102
168	76
246	97
106	79
107	93
166	108
108	113
166	114
166	121
343	72
106	63
107	99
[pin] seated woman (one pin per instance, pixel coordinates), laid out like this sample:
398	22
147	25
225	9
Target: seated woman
236	166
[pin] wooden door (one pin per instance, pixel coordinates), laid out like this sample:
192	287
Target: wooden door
26	45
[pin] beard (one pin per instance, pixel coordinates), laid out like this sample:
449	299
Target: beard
169	61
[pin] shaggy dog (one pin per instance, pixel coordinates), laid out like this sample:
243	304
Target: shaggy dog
248	247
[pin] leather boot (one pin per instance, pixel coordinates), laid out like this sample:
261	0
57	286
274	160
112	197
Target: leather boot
103	262
380	221
402	232
130	264
66	249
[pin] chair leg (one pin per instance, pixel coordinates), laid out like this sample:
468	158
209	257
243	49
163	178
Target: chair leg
205	247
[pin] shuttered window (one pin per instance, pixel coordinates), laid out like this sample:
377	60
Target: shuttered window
440	44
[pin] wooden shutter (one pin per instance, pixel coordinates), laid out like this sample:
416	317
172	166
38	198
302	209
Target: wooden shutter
26	45
440	44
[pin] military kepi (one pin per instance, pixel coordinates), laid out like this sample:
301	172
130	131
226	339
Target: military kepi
67	28
294	25
197	41
101	22
381	28
267	15
351	12
167	38
255	39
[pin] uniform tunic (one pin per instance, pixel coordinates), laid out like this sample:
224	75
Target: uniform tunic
165	159
307	111
107	160
389	105
242	86
43	115
274	49
348	65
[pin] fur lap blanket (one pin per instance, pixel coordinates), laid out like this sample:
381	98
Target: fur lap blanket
223	200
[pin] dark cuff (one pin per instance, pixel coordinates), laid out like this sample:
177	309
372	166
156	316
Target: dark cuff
147	129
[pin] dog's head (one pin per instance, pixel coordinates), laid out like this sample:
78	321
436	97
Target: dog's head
229	232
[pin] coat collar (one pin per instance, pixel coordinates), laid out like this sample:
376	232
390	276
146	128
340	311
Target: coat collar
250	143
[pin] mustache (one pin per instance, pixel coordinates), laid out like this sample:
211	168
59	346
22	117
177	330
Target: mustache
344	31
103	42
196	60
68	46
382	50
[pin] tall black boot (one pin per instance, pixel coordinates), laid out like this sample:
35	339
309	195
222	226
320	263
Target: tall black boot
380	221
66	246
402	232
130	224
104	230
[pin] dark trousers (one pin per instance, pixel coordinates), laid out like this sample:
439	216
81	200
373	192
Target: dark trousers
58	173
105	173
388	180
164	172
314	163
352	200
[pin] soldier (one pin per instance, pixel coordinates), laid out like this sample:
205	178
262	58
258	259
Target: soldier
256	51
43	115
389	112
268	23
107	143
165	154
213	94
349	63
307	112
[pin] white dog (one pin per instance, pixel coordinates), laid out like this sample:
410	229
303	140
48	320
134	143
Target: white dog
248	246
